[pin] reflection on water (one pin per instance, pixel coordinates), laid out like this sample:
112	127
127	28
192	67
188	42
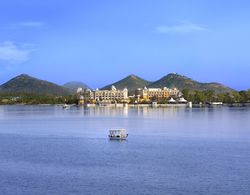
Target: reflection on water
172	150
37	111
80	121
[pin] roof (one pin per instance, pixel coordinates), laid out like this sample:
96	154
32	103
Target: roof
117	130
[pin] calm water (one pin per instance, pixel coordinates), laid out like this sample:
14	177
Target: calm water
48	150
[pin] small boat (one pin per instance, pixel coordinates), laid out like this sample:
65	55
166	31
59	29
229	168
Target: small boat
118	134
66	106
216	103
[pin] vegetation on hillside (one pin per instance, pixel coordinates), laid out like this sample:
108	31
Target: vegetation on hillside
25	89
27	84
27	98
183	82
211	96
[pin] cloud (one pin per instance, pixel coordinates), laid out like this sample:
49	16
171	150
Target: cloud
31	24
12	54
180	28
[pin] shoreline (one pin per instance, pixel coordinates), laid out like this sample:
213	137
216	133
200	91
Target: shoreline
137	105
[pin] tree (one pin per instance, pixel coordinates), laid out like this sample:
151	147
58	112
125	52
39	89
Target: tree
209	95
185	93
244	96
199	97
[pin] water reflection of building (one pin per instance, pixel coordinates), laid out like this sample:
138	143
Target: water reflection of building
1	112
105	111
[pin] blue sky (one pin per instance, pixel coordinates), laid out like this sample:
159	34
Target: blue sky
99	42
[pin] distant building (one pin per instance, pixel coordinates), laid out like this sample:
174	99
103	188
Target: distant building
80	100
79	90
175	92
113	94
149	93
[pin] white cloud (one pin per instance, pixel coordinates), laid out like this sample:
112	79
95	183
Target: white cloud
32	24
12	54
180	28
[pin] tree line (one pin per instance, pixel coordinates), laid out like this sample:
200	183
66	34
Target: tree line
192	96
27	98
210	96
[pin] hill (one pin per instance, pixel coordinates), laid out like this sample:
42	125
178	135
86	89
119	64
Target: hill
131	82
72	86
183	82
27	84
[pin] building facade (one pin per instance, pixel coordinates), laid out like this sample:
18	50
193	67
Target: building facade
112	95
149	93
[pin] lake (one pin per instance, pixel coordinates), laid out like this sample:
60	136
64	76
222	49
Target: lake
173	150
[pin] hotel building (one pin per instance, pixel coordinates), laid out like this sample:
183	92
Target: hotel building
148	93
102	95
112	94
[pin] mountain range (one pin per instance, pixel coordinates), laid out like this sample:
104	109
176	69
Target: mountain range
28	84
172	80
131	82
181	82
72	86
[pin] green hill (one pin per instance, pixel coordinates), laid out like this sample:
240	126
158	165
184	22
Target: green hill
74	85
131	82
27	84
182	82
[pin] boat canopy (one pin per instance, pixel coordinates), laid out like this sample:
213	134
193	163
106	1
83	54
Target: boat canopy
172	100
182	100
117	131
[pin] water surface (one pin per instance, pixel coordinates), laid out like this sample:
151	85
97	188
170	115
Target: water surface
48	150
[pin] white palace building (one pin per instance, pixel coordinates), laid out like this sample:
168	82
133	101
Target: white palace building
102	95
